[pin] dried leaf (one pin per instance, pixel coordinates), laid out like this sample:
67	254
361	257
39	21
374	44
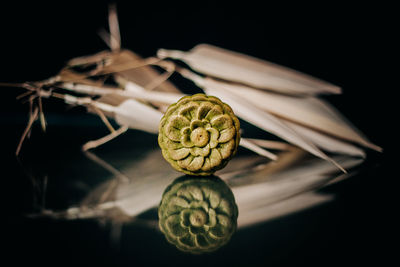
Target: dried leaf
271	144
131	91
262	119
137	115
89	60
68	75
328	143
307	111
166	97
141	76
140	116
254	147
236	67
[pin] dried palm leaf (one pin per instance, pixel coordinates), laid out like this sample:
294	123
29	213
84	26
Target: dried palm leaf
99	58
131	91
129	113
126	66
236	67
256	148
306	122
271	144
326	142
143	76
246	111
137	115
307	111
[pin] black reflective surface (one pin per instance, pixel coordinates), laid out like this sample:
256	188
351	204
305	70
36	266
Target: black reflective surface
352	222
292	220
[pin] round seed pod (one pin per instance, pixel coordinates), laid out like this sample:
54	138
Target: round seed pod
199	134
198	214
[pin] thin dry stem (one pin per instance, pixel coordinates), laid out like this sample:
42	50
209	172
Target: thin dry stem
32	119
105	36
169	68
105	139
103	118
41	114
125	67
160	79
115	36
27	93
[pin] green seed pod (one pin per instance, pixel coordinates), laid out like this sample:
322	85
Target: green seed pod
198	214
199	134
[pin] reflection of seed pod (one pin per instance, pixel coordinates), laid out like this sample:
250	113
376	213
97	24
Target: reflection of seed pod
199	134
198	214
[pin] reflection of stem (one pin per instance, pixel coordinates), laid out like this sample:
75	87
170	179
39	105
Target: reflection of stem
115	235
152	224
262	171
39	187
107	193
123	178
43	192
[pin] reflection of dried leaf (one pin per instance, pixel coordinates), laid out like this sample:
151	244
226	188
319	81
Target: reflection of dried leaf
289	190
262	191
236	67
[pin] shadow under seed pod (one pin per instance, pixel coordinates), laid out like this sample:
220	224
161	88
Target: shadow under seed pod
198	215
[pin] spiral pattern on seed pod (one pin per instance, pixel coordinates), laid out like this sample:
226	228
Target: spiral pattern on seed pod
198	214
199	134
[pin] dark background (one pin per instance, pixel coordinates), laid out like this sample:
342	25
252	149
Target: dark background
348	46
